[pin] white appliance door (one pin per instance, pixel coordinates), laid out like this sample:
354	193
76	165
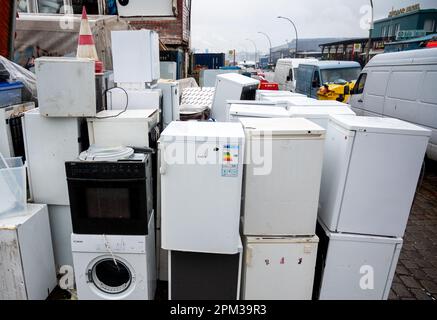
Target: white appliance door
279	269
132	66
359	268
13	282
137	99
338	148
49	142
281	194
381	183
201	199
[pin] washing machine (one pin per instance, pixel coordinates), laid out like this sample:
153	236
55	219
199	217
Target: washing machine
111	267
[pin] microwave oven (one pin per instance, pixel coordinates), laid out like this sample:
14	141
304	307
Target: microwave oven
111	198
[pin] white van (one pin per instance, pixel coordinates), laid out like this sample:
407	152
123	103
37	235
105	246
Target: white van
285	72
400	85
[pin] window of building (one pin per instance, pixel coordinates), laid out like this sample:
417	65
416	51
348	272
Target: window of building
390	31
429	25
384	31
59	6
397	29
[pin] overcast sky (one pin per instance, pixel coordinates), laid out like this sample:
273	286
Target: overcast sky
221	25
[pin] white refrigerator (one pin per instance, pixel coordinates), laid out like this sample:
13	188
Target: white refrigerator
27	267
279	268
355	267
170	101
319	115
241	111
283	168
231	86
370	174
49	142
201	179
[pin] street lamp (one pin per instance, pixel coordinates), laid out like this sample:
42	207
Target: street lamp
254	44
369	43
295	29
270	43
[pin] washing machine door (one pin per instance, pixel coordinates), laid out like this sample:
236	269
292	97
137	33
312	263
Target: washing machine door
111	275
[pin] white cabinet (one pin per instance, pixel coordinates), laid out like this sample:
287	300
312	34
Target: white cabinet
283	168
27	267
279	268
49	142
201	178
370	174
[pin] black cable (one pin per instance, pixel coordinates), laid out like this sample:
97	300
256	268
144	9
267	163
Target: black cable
125	108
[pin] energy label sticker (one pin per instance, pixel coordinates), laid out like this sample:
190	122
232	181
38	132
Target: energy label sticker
230	160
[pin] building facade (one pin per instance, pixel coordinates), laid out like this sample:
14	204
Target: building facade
401	25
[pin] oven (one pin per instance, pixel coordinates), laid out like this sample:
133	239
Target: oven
113	198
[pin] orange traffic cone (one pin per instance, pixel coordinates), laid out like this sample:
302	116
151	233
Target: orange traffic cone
86	47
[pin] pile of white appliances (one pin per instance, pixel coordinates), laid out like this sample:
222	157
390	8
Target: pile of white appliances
201	166
54	133
370	173
283	168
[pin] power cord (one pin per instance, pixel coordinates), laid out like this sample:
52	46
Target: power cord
125	108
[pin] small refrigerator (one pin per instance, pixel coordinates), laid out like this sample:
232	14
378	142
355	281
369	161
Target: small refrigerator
170	101
49	142
281	192
201	179
241	111
27	266
135	66
204	276
231	86
354	267
280	268
370	174
319	115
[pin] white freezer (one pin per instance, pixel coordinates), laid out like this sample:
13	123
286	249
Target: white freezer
307	102
208	78
319	115
66	86
283	168
170	101
201	178
135	66
355	267
27	267
279	268
117	99
237	112
130	129
49	142
370	174
264	94
231	86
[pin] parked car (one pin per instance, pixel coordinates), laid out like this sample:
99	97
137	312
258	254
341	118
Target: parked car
285	72
401	85
311	76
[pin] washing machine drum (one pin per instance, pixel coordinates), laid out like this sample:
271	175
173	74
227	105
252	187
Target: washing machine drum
111	276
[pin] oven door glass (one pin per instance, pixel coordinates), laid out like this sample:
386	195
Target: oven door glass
109	206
